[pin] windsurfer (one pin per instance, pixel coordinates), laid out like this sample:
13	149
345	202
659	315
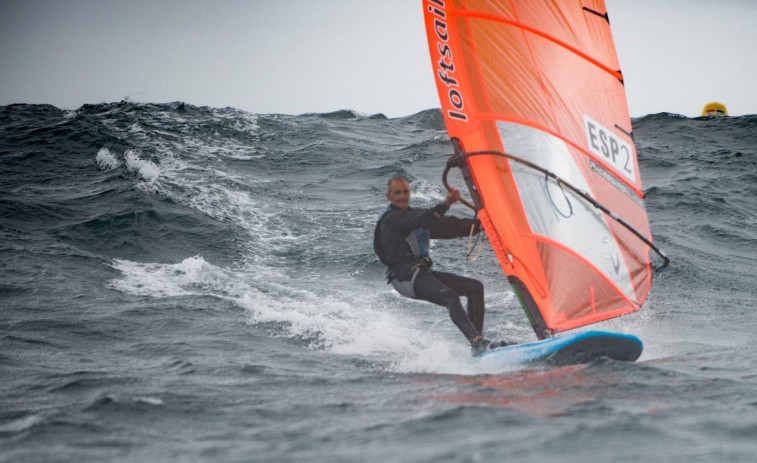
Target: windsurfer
401	241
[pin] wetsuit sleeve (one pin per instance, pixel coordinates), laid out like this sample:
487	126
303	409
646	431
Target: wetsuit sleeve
403	222
453	227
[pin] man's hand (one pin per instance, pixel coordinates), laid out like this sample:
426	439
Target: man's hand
452	197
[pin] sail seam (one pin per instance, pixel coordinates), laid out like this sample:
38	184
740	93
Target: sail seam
476	67
551	242
542	84
491	17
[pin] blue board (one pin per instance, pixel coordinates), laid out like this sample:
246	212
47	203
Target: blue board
567	350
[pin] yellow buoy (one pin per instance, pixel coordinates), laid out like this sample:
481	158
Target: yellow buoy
714	109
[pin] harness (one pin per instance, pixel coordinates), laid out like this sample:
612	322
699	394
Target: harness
418	240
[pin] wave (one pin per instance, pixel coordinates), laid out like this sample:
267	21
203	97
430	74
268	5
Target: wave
281	209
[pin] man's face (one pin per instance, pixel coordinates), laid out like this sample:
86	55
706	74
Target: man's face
399	194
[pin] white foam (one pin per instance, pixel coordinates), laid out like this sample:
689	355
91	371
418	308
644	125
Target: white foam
150	400
217	194
380	328
193	276
247	123
145	168
424	194
357	319
106	160
331	322
371	322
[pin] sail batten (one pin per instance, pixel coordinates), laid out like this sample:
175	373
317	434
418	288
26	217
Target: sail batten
533	96
490	17
517	120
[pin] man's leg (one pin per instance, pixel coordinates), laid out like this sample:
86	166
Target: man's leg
472	289
429	288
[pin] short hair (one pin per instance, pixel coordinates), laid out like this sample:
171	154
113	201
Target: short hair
395	179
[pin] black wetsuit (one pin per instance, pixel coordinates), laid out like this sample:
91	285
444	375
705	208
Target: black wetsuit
401	242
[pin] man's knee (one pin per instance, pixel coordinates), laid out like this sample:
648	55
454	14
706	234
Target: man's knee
449	295
452	301
475	288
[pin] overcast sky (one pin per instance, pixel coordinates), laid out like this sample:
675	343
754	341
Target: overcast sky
297	56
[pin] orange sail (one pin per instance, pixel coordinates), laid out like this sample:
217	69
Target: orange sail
533	99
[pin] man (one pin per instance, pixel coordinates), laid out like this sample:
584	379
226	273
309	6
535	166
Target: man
401	241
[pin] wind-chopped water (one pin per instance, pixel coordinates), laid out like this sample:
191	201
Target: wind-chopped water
198	284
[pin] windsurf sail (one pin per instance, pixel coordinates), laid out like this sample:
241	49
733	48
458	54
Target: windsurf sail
533	99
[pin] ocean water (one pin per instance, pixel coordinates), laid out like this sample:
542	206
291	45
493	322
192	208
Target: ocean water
198	284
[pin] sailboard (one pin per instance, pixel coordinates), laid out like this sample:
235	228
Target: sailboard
571	349
534	102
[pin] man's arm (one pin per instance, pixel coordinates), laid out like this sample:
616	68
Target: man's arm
454	227
405	221
450	226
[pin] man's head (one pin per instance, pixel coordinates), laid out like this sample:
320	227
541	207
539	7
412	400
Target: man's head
398	193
